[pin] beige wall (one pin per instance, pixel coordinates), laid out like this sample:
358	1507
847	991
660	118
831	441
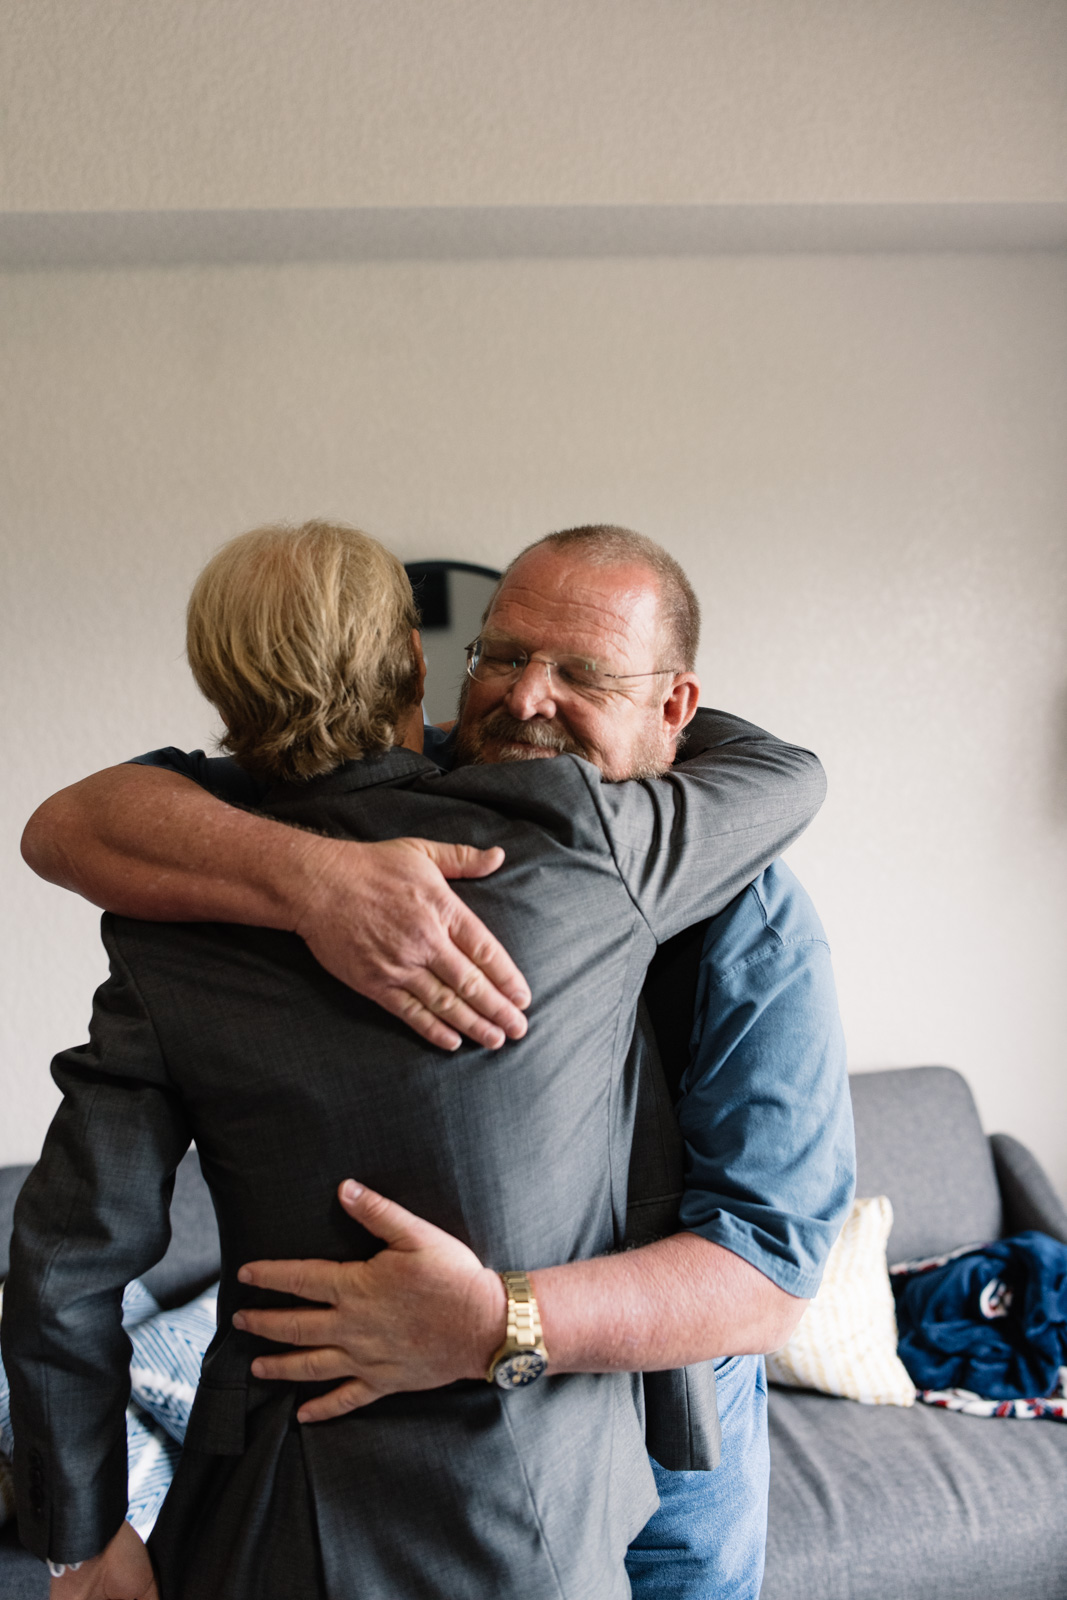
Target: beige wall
860	460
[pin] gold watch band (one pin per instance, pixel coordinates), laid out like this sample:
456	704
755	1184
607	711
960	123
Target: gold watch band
524	1319
522	1357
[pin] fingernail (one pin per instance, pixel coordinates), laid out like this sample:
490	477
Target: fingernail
244	1275
239	1321
496	1039
351	1190
257	1369
517	1030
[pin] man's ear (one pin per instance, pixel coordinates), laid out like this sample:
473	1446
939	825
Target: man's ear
680	706
420	664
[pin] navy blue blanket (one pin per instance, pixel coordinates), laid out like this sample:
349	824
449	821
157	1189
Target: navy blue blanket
993	1321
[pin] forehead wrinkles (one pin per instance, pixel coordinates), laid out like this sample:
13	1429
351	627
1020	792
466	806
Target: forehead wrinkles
578	615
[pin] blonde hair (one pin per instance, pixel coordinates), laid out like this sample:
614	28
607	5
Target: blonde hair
301	638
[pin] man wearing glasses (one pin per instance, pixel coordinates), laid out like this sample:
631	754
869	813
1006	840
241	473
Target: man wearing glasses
571	658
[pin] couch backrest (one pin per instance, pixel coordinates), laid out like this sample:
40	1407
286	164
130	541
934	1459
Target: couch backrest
11	1181
919	1140
192	1258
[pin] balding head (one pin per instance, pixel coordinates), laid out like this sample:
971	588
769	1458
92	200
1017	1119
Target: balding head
573	658
602	544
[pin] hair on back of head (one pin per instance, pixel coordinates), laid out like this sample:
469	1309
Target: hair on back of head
602	544
301	638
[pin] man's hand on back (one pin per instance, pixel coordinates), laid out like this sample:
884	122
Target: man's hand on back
424	1312
143	842
386	923
421	1313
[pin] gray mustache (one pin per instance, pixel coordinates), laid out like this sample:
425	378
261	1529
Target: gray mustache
538	735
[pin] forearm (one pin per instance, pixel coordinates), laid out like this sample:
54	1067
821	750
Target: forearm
423	1312
85	1226
668	1304
147	843
143	842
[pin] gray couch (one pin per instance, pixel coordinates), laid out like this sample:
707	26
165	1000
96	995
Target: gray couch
867	1503
883	1503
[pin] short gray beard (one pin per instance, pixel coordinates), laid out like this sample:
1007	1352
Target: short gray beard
540	735
501	725
645	765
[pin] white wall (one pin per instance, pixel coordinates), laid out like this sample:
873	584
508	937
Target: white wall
859	459
145	104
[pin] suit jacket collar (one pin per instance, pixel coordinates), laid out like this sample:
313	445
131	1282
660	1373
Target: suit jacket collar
383	767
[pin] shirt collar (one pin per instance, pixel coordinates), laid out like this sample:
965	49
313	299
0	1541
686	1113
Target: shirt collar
384	766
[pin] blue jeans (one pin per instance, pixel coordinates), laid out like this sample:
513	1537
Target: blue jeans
708	1539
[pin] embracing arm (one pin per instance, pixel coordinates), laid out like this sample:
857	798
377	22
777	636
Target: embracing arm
145	842
687	843
424	1311
668	1304
766	1115
92	1215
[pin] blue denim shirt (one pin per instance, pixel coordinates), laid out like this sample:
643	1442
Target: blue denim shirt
764	1105
765	1109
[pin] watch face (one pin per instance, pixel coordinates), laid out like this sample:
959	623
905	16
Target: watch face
514	1371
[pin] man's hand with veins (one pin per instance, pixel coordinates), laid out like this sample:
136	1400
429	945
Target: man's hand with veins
425	1312
144	842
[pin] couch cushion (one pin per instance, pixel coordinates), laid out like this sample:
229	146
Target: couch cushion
875	1503
919	1140
22	1576
192	1260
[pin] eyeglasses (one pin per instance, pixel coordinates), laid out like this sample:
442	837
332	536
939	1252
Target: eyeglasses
494	661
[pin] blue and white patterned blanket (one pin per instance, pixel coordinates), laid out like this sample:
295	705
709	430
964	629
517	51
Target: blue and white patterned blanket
168	1348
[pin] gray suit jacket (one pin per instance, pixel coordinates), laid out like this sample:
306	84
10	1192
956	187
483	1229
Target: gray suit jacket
290	1082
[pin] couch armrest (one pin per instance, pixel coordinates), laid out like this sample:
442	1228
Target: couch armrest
1030	1201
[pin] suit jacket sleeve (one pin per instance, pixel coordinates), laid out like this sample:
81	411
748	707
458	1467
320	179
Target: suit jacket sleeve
687	843
93	1214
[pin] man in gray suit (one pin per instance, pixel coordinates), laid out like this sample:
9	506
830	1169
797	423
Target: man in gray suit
523	1162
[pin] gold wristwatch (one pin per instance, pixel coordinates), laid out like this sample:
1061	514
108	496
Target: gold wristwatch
522	1357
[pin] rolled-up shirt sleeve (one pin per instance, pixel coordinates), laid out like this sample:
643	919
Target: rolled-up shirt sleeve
765	1110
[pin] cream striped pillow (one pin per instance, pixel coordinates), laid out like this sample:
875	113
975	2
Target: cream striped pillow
846	1341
